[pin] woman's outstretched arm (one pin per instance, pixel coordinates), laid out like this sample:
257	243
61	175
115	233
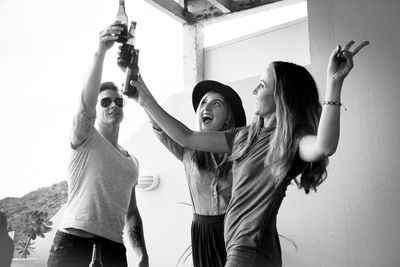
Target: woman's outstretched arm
197	140
314	148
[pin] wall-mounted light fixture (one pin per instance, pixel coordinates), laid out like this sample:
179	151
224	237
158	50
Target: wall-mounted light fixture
148	181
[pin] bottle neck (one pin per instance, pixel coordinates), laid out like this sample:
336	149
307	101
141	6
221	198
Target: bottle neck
121	9
121	15
96	256
131	37
132	32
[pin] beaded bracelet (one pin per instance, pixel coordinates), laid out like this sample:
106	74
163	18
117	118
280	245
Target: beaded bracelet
334	103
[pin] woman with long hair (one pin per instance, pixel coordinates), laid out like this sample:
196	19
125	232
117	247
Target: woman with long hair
291	135
218	108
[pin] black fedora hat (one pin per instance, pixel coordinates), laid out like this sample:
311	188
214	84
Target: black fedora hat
229	94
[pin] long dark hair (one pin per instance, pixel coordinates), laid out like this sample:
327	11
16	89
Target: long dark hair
297	114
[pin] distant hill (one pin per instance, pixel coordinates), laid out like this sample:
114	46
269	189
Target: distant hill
47	199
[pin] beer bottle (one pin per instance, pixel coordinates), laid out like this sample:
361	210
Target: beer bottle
123	18
128	48
132	37
96	257
132	73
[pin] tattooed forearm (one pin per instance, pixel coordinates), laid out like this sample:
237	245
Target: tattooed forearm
136	237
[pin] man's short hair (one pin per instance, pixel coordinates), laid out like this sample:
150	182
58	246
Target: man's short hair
108	86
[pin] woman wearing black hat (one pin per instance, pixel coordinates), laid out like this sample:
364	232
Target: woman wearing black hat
292	134
218	108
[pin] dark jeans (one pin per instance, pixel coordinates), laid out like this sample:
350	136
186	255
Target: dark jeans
70	250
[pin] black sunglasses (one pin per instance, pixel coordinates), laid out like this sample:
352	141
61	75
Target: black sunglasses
119	101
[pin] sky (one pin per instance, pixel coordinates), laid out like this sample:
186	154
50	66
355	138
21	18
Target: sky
46	47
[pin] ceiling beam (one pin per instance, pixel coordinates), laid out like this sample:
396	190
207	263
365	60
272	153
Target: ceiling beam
172	9
212	11
254	10
222	5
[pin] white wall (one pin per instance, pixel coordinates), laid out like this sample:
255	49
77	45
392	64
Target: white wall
248	56
354	219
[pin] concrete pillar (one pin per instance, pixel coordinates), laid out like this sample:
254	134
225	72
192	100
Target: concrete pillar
193	55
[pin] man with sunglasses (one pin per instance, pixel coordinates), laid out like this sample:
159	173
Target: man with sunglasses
101	177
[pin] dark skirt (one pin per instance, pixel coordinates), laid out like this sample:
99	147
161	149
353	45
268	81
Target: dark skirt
208	245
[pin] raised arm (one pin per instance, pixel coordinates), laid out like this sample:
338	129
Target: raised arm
167	141
197	140
86	114
314	148
135	231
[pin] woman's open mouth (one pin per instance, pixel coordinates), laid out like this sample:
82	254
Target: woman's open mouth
207	119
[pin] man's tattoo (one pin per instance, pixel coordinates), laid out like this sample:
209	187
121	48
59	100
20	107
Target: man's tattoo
136	237
83	122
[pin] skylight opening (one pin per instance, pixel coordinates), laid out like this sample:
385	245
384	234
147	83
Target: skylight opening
235	28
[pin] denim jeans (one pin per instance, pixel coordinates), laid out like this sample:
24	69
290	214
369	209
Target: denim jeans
69	250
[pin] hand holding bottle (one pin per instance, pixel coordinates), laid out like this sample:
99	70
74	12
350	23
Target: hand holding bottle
127	60
132	73
143	96
108	36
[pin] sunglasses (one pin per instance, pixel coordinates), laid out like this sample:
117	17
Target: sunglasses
119	101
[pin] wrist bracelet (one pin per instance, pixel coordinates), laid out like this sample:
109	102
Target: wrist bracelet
334	103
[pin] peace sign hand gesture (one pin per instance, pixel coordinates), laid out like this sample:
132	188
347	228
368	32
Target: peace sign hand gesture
341	60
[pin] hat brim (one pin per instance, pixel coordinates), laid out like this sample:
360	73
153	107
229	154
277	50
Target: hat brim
229	94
